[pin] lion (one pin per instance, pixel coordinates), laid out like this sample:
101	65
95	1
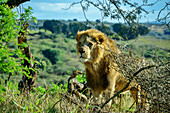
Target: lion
97	52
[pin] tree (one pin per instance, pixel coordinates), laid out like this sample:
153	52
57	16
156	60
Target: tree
76	26
54	26
104	29
143	30
65	29
97	21
13	31
129	33
114	9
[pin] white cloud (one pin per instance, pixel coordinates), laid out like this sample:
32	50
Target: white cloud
56	7
56	10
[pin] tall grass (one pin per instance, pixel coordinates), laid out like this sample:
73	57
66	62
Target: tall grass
52	99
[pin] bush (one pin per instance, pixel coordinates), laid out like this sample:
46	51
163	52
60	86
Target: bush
143	30
129	33
53	25
76	26
52	55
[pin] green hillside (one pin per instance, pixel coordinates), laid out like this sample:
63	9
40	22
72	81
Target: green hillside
65	57
56	50
58	67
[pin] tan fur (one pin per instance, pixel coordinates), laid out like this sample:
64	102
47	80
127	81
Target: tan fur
96	51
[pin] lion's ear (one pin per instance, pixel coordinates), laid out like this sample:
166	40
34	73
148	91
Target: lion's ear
100	39
76	37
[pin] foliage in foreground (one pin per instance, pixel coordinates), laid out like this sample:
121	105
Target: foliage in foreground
8	32
51	99
12	29
38	101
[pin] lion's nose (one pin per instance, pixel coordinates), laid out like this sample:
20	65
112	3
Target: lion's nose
81	51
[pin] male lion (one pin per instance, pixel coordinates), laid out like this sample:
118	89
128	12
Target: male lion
96	51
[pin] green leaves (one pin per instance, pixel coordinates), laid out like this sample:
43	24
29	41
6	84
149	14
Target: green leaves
10	54
26	16
81	79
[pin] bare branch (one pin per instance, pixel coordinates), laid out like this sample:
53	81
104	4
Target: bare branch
162	9
151	4
112	1
72	5
165	17
84	13
136	7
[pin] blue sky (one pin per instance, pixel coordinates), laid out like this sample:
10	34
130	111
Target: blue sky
54	9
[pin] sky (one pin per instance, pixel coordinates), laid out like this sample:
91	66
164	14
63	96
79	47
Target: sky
55	9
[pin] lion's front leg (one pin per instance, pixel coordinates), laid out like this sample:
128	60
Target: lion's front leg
97	97
108	94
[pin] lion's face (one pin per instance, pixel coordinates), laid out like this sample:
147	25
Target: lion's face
84	47
89	45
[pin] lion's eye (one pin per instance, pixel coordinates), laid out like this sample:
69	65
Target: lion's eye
89	44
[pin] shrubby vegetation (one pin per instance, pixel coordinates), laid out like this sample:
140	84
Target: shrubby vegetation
52	98
41	100
70	29
52	55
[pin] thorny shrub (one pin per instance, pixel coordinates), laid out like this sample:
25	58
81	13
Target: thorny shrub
154	80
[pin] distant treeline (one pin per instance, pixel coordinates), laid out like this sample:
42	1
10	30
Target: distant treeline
116	31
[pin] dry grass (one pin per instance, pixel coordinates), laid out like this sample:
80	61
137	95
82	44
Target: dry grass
38	101
53	99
